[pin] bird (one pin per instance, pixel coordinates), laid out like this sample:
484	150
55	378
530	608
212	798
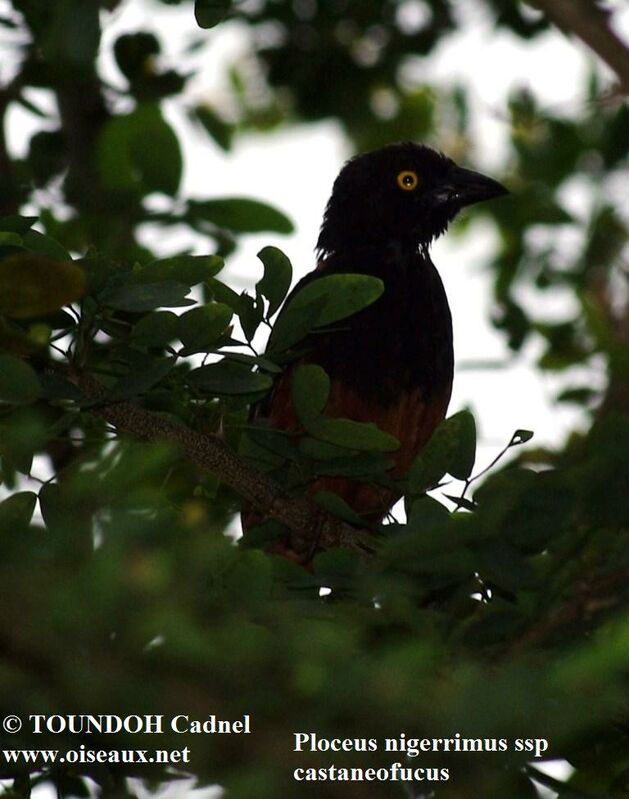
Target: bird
392	362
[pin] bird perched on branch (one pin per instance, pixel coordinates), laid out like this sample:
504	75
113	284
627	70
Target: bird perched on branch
392	362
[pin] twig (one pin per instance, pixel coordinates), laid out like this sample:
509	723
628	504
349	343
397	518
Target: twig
468	482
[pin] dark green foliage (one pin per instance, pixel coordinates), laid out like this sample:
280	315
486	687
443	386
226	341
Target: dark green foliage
310	391
18	381
451	449
496	610
241	215
32	284
136	55
275	282
126	163
320	304
199	328
209	13
220	130
417	662
227	377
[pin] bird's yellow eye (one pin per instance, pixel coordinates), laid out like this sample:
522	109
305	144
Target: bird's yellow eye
407	180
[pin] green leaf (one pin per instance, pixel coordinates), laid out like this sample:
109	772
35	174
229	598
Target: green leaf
22	434
45	245
428	514
141	297
451	448
526	508
134	53
140	151
17	511
268	440
310	389
226	377
60	320
285	334
17	224
320	450
251	312
156	329
521	437
369	464
15	340
345	295
209	13
579	396
496	624
337	566
337	506
10	239
223	293
461	502
199	328
464	455
255	360
432	462
293	576
332	298
54	386
353	435
35	285
501	564
277	277
19	384
241	215
161	163
221	131
139	381
249	579
188	269
542	513
114	155
262	535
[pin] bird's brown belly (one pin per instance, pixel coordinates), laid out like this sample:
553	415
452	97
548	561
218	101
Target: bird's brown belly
409	418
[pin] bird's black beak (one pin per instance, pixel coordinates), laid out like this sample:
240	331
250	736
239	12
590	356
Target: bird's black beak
464	187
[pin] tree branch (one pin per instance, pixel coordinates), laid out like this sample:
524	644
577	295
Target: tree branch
590	23
310	527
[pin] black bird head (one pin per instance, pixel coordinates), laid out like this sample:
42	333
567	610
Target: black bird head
405	193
